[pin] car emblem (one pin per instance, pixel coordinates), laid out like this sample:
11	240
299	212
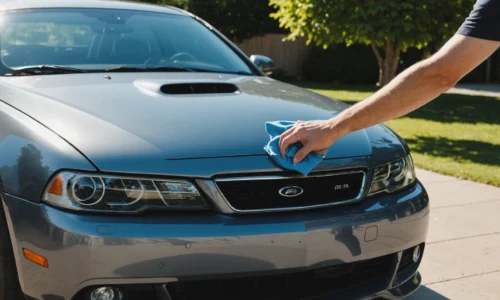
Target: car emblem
291	191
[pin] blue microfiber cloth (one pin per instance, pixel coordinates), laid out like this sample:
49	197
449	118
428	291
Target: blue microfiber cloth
275	129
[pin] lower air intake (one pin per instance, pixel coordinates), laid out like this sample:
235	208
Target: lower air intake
291	286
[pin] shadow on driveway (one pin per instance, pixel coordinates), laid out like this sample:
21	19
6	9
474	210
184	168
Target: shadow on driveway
425	293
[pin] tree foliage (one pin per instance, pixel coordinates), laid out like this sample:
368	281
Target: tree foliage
236	19
388	26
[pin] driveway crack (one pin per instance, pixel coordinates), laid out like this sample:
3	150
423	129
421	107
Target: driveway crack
463	277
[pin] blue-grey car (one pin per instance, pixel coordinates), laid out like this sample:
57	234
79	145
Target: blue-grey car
132	167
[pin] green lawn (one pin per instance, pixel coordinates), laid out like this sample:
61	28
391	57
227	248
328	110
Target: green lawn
457	135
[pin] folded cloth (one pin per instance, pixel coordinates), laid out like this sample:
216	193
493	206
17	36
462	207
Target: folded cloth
275	129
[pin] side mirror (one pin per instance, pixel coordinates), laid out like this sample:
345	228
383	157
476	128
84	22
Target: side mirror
264	63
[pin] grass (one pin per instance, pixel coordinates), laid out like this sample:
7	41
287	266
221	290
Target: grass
456	135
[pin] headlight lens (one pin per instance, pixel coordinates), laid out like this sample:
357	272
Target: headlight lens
90	192
393	176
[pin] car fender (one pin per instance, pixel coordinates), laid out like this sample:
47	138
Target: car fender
30	154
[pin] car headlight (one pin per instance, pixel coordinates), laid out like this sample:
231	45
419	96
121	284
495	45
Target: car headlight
393	176
103	193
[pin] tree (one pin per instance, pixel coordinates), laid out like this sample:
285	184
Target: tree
236	19
389	27
447	16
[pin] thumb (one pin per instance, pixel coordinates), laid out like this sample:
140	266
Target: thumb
301	154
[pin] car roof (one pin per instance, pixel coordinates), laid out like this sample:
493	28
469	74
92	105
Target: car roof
6	5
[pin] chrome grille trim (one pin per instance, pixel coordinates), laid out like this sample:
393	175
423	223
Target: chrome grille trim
248	178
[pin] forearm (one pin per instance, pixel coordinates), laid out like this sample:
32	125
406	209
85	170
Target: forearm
410	90
417	85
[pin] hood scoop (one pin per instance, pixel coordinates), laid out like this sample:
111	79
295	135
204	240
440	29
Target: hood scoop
199	88
158	88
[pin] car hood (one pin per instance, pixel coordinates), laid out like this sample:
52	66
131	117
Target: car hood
126	115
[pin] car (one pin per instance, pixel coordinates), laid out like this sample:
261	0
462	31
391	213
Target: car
133	167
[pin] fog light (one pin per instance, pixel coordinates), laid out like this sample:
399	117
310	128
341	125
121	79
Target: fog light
106	293
416	254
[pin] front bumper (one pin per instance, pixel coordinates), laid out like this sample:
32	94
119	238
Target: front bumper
88	250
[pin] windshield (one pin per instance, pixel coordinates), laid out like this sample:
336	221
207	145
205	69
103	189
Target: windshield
103	39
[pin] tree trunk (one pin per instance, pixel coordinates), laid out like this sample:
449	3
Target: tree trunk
388	62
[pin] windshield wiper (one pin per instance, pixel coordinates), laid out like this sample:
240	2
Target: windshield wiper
170	69
156	69
44	70
50	69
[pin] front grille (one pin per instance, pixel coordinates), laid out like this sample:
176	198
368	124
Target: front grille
264	193
291	286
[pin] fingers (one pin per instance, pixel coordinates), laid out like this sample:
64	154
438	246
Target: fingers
288	140
285	135
301	154
282	139
310	134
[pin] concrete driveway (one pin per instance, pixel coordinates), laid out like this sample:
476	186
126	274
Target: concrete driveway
490	90
462	257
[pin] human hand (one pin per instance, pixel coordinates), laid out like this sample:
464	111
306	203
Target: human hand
315	136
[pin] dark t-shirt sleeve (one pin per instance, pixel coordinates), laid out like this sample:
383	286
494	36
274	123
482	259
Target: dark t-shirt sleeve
484	21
